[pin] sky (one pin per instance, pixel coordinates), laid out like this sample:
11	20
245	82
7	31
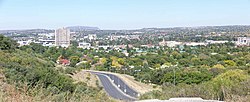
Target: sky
122	14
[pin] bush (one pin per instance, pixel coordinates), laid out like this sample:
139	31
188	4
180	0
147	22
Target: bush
7	44
188	77
232	85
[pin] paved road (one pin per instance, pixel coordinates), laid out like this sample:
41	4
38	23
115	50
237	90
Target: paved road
122	85
113	90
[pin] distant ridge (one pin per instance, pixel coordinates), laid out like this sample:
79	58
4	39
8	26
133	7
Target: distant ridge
27	30
82	28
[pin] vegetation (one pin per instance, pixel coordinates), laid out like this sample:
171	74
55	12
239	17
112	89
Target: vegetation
7	43
217	71
232	85
211	72
33	76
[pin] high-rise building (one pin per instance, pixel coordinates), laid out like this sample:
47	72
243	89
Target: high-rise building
62	37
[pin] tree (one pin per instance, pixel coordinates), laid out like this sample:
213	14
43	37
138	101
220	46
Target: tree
108	63
176	55
229	63
195	61
7	44
157	66
187	77
219	66
121	61
115	62
74	43
37	48
225	82
74	60
103	60
184	62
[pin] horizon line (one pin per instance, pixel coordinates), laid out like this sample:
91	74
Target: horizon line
133	28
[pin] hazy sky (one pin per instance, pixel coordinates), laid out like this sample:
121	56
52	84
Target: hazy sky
122	14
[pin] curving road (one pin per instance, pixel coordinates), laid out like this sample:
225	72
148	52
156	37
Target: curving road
114	91
122	85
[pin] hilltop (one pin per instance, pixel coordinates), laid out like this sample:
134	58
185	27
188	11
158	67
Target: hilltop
82	28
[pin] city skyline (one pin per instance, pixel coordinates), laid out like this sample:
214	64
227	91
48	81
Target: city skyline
111	14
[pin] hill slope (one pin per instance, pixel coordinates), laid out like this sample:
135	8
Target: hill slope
29	77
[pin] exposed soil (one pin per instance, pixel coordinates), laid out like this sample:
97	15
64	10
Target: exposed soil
86	77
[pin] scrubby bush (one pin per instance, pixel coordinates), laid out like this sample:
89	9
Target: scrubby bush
232	85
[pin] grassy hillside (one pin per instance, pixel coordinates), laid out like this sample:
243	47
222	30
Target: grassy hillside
28	77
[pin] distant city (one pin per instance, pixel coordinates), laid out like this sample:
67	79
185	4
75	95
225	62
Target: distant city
92	37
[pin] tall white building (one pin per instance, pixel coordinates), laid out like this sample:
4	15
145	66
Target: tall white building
62	37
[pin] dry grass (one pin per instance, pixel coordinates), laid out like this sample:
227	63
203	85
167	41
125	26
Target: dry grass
86	77
9	93
138	86
237	98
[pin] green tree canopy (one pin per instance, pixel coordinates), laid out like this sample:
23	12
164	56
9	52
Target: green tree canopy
7	43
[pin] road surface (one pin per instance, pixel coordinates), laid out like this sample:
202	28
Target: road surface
122	85
112	89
